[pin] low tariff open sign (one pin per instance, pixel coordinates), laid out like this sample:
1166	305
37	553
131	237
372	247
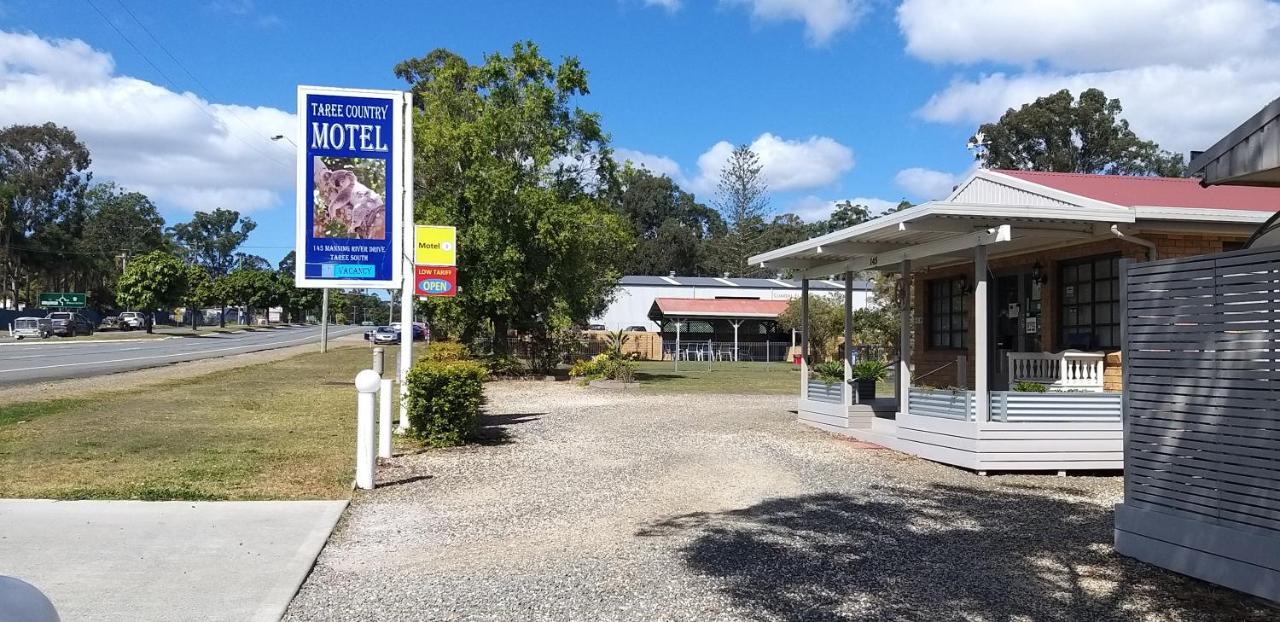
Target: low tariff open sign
435	281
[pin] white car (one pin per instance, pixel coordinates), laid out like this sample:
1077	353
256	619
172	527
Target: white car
133	319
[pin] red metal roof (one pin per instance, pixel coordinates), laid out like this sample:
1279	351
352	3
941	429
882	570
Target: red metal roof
1132	191
720	307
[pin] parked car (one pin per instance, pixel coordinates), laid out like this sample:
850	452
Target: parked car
133	319
385	334
37	327
419	330
638	329
595	327
110	322
367	323
68	324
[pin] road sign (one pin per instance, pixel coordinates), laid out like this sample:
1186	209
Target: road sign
435	245
435	281
62	299
351	181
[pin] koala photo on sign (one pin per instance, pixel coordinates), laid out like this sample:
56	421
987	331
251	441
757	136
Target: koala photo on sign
349	198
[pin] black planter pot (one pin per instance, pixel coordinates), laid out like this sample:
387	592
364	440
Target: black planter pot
866	390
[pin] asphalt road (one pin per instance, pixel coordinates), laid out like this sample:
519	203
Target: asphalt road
42	361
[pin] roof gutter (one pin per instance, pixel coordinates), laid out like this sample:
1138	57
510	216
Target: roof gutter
1152	255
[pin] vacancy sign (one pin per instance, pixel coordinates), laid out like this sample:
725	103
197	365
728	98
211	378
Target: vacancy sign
435	281
435	246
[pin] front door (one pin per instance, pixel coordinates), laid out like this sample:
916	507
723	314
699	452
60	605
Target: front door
1015	323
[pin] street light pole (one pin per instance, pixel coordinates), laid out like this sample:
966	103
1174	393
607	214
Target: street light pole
324	320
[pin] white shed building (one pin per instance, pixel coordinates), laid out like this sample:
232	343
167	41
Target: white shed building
635	294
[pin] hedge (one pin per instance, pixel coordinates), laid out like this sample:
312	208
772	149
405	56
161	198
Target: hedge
445	351
444	399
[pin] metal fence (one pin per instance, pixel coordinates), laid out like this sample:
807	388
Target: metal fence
1202	419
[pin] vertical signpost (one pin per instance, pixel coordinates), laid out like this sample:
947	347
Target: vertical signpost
354	198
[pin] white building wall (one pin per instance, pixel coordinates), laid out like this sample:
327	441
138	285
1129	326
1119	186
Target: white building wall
631	303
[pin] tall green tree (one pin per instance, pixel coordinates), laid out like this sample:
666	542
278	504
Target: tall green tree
672	229
43	178
119	224
156	280
1063	134
211	239
742	198
498	147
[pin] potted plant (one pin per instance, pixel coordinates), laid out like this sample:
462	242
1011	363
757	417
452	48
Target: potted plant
865	376
829	372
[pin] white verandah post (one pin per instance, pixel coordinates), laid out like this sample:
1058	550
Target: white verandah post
904	338
736	324
847	392
804	338
981	384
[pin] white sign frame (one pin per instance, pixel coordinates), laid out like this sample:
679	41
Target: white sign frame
401	176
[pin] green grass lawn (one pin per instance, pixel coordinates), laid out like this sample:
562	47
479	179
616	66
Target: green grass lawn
722	377
280	430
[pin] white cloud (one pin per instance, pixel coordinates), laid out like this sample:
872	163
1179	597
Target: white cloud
179	149
811	208
1186	71
670	5
656	164
926	184
1181	108
786	164
1089	34
822	18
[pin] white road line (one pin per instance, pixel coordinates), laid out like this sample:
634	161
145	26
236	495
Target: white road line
159	356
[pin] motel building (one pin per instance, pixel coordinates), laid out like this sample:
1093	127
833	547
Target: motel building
1014	281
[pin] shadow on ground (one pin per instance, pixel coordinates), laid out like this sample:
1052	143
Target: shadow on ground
938	553
493	429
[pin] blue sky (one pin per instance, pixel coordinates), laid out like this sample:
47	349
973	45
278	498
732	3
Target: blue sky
868	100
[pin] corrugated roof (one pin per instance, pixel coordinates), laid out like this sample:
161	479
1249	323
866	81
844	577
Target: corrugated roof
719	307
1131	191
706	281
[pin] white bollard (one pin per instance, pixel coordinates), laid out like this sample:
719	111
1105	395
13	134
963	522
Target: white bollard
367	382
384	419
404	414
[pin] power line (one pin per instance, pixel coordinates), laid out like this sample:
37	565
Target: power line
173	83
193	77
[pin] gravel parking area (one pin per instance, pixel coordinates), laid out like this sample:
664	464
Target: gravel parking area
588	504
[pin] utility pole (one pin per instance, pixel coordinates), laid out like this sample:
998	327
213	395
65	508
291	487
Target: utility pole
324	320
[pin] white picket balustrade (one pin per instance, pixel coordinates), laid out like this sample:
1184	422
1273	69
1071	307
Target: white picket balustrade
1066	370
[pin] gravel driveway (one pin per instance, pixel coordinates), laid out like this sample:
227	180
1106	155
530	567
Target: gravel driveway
593	505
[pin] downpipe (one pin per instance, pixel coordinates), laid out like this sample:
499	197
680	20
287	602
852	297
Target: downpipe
1152	255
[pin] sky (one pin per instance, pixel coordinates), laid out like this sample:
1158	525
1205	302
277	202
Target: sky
864	100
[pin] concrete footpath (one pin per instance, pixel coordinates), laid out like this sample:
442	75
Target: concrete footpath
168	560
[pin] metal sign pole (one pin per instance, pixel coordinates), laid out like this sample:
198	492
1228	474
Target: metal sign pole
324	320
406	284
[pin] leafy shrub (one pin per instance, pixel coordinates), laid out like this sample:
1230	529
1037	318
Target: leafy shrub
830	372
504	366
602	366
445	351
444	400
1029	387
870	370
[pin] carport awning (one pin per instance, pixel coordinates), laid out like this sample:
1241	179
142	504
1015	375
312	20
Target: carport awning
715	309
1248	156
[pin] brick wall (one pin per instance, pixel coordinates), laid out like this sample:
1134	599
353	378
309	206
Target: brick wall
938	367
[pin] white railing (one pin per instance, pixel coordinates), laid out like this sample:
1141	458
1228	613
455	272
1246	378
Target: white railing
1061	371
957	404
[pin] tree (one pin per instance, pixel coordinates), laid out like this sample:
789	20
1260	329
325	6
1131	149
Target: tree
119	224
253	289
742	199
153	281
672	230
210	239
826	323
1062	134
537	250
43	178
847	214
